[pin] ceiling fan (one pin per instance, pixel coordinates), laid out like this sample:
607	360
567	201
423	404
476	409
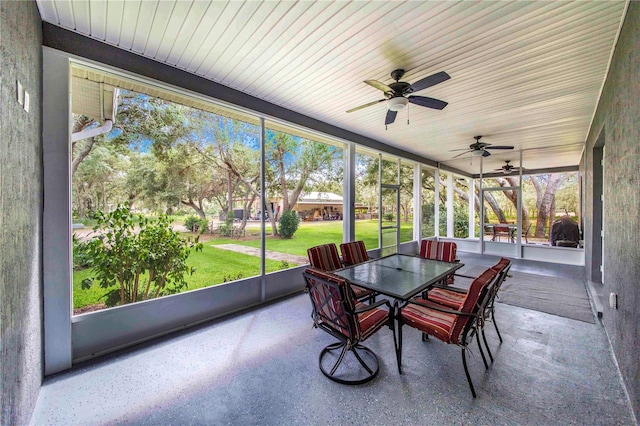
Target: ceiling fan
507	168
395	93
479	149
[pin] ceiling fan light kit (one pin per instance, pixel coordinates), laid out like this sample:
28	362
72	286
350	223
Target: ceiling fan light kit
477	153
507	168
398	103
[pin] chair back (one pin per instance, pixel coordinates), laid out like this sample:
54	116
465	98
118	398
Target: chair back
438	250
324	257
333	304
502	269
473	303
354	252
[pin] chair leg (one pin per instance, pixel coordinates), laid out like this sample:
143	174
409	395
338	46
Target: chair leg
340	358
486	345
466	371
360	360
372	368
398	345
484	359
495	324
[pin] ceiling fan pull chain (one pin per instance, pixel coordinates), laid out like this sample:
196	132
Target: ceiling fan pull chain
407	113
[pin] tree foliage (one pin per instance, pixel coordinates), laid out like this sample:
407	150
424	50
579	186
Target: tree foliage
288	222
136	258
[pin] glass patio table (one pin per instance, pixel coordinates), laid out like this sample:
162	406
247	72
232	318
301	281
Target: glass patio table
399	276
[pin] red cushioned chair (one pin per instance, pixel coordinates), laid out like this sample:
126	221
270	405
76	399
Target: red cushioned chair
326	258
354	252
444	251
453	298
454	326
502	231
351	322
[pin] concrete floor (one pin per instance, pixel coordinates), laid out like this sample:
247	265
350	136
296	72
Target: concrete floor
260	367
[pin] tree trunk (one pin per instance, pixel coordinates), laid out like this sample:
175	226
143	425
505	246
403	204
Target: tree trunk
544	210
229	194
283	180
513	197
87	145
552	213
198	208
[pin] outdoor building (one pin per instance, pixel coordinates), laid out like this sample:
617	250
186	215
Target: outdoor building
319	206
263	115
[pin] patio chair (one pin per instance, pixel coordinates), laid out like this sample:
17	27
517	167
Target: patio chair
502	231
351	322
326	258
444	251
453	298
354	252
452	326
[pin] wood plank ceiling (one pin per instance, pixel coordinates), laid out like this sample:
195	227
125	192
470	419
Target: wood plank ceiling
526	74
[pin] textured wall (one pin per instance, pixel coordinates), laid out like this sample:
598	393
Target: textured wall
20	211
618	119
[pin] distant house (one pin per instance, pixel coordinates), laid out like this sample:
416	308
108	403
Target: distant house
319	206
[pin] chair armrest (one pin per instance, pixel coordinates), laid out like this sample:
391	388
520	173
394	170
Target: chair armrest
464	276
373	305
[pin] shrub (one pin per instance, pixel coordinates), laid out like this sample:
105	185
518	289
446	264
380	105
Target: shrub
136	258
195	224
80	256
288	224
284	265
226	227
389	217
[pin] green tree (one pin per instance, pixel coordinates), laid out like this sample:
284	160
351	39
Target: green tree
99	180
295	164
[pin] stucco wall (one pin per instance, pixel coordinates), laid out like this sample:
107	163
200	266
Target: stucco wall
20	211
618	120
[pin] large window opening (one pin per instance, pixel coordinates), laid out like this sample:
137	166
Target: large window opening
160	177
367	189
428	203
304	187
546	198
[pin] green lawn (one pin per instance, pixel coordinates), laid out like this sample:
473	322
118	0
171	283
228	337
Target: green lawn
310	234
215	266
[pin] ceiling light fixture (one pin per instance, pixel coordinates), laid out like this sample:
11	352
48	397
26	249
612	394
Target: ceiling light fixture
398	103
477	153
